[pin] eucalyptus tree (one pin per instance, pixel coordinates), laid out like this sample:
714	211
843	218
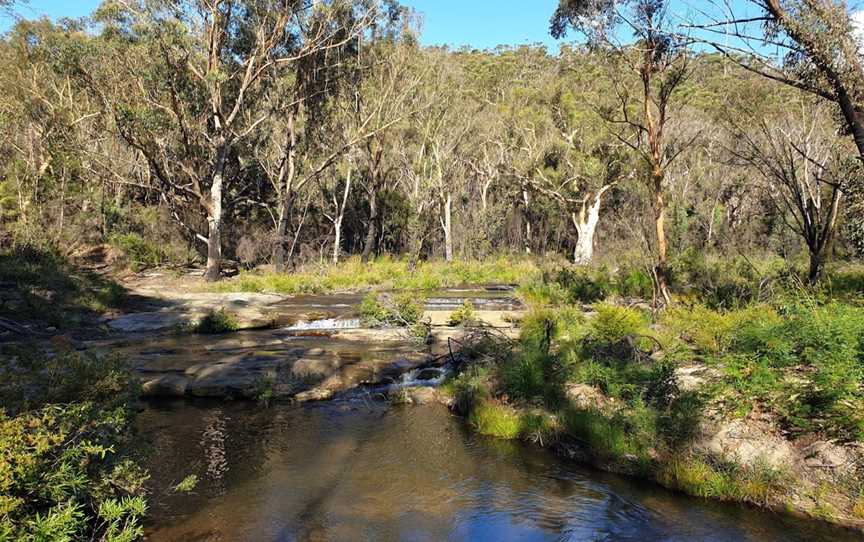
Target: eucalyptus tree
432	154
798	158
186	79
810	45
658	61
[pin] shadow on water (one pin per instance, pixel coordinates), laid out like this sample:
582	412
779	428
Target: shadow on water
357	470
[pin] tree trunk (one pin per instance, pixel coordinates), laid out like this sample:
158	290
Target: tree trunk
337	239
816	264
372	231
286	194
586	225
340	215
448	228
525	202
662	269
214	218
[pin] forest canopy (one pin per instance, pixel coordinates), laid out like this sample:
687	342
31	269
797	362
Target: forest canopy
282	132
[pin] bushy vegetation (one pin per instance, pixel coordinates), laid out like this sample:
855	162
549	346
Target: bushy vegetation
609	377
464	316
140	252
64	434
585	285
215	323
400	310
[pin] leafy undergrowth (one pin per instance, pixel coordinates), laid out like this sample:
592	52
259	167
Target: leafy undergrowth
40	286
384	273
64	427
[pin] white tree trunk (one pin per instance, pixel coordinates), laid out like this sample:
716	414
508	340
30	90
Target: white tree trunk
214	221
526	203
340	215
337	240
586	222
448	228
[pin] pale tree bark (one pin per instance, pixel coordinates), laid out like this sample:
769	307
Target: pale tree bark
339	215
586	221
285	189
526	205
447	226
214	218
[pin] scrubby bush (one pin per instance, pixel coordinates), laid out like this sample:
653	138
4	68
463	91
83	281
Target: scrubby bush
63	473
718	282
635	282
463	316
216	323
140	253
613	324
403	310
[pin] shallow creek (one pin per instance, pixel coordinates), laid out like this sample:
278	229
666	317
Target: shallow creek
358	469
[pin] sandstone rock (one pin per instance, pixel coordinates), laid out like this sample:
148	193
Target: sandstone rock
422	395
585	397
746	442
165	386
146	322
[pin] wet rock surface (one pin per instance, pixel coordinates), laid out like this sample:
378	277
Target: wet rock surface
308	347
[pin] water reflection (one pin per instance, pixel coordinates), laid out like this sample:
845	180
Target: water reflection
360	471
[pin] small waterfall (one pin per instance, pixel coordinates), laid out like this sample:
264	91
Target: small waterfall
428	377
326	324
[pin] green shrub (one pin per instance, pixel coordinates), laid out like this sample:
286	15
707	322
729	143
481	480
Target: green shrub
662	385
63	471
584	286
215	323
606	438
614	324
402	310
525	377
539	292
140	252
372	312
635	282
469	389
409	308
707	330
463	316
718	282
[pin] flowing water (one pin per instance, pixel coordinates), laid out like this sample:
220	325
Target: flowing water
357	469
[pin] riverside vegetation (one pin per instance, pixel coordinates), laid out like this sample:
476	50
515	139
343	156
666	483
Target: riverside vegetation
607	385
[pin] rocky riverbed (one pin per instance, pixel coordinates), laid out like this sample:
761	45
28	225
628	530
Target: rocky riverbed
307	347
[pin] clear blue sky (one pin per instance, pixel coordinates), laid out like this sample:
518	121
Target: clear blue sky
476	23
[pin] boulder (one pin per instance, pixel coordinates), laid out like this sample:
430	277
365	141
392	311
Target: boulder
585	397
746	442
165	386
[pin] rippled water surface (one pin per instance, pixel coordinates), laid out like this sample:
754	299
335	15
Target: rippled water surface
357	470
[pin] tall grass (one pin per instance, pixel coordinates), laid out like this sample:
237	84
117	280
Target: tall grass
384	273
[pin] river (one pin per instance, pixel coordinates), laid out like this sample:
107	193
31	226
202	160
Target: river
359	469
